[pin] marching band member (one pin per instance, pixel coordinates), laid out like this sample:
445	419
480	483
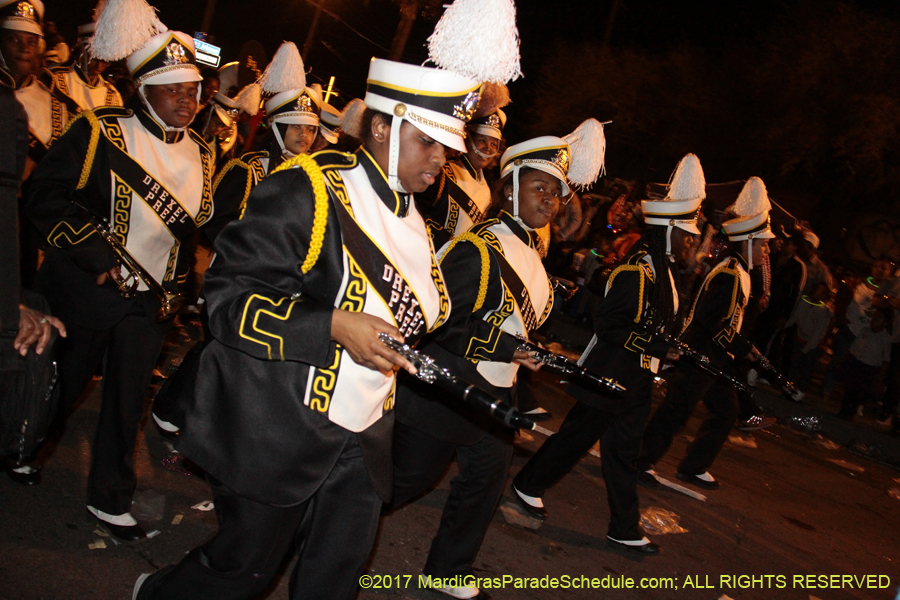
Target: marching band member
461	196
292	112
713	328
499	290
641	297
143	171
292	415
81	86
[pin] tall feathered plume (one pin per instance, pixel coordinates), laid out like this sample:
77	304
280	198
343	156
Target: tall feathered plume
285	72
351	118
753	199
587	148
478	39
688	181
249	98
494	96
123	27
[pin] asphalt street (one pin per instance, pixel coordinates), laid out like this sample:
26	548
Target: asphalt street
798	515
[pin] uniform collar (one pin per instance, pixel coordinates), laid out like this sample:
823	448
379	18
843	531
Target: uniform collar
742	261
396	202
79	72
151	125
529	238
473	172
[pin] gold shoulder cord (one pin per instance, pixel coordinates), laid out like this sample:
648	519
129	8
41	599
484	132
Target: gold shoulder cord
468	236
92	144
640	272
320	216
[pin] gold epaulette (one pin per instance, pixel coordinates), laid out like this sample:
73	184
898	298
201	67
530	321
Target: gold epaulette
480	244
333	159
643	270
727	269
320	214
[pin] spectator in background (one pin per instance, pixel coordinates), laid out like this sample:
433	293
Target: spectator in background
865	369
892	380
816	270
208	87
811	318
867	297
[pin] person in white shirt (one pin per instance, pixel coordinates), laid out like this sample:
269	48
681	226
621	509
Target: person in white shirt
812	316
863	374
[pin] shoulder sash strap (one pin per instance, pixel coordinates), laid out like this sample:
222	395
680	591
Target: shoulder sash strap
456	194
174	216
385	278
519	291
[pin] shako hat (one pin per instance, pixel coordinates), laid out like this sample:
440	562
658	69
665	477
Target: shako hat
154	55
489	119
681	206
284	80
22	15
752	221
476	41
228	109
330	123
576	159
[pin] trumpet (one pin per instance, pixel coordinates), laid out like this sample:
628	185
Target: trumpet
169	303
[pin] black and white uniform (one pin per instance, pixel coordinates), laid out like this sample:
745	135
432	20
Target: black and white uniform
287	425
70	86
116	163
458	199
499	290
624	349
47	119
714	329
234	183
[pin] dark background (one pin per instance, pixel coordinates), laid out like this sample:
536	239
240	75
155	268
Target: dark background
803	93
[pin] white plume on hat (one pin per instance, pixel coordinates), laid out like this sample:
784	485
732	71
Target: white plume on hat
688	181
248	99
285	72
123	27
753	199
494	96
351	118
587	146
478	39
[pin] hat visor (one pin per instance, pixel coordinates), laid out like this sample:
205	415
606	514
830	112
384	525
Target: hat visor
451	140
329	135
224	116
488	131
295	120
22	25
689	227
185	75
546	168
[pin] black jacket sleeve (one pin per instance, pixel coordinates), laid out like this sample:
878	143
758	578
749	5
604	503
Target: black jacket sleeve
260	301
621	318
53	190
229	195
714	316
466	333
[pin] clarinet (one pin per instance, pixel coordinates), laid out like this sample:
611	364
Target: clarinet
430	372
787	387
702	361
576	372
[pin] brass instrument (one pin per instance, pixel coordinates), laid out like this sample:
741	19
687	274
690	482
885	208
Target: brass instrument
169	303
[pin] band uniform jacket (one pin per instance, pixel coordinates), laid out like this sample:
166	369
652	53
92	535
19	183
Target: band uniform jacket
713	326
276	400
115	163
623	346
498	289
458	199
70	86
47	119
233	185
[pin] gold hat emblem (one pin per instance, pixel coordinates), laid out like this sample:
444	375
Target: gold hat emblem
562	159
25	10
175	55
466	109
304	104
493	121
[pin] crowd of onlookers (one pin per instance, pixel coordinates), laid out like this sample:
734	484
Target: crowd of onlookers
839	323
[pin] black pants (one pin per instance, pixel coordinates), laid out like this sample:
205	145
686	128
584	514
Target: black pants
620	445
686	386
129	352
333	532
419	461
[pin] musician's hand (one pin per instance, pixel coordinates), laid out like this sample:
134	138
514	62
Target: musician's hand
358	334
35	326
527	360
112	274
753	355
673	354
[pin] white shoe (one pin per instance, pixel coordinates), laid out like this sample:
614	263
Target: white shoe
798	396
138	584
461	592
752	377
